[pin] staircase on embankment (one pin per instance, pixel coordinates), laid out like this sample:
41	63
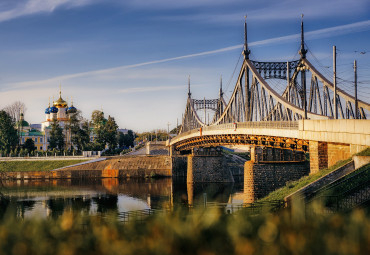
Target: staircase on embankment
343	189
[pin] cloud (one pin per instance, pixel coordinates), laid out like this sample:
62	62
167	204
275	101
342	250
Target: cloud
320	33
149	89
264	11
179	4
21	8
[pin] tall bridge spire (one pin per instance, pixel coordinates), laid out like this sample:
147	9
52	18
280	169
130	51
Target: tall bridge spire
302	51
189	93
221	92
246	51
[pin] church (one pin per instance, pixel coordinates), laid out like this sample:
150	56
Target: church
59	111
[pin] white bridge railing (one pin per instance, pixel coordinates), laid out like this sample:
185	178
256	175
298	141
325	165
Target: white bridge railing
287	125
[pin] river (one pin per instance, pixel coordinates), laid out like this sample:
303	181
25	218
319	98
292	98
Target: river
50	198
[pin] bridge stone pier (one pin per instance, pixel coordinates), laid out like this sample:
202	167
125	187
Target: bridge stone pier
202	165
270	169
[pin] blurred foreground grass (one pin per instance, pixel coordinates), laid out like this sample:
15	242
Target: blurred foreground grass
200	232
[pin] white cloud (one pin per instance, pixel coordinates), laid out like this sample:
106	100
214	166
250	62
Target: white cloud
320	33
203	11
264	11
149	89
29	7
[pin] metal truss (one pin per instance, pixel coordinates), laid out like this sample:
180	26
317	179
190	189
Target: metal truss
276	70
242	139
191	119
253	99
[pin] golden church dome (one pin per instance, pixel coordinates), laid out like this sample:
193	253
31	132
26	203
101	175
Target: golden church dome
60	103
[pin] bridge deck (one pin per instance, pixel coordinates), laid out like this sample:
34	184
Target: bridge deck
354	132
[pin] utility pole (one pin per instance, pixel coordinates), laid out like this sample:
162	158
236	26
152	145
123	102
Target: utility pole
288	79
335	81
303	52
205	112
168	130
246	53
356	102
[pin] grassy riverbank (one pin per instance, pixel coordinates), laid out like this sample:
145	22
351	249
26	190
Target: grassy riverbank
39	165
293	186
203	232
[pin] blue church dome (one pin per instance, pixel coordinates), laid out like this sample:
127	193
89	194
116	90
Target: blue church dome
72	109
53	109
47	110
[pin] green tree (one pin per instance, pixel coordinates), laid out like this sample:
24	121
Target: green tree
79	131
56	136
120	138
126	140
98	122
175	130
8	134
29	145
83	135
111	133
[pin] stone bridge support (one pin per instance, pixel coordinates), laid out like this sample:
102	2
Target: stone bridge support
202	165
270	169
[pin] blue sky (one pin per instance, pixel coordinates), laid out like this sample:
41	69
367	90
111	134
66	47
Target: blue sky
133	57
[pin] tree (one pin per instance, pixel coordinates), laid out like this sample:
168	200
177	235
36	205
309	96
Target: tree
79	131
160	135
8	134
98	122
56	136
111	133
83	135
120	138
29	145
14	110
129	139
175	130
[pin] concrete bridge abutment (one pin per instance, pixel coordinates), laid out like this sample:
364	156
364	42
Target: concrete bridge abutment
325	154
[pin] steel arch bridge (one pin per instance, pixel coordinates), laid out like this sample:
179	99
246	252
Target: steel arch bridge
254	101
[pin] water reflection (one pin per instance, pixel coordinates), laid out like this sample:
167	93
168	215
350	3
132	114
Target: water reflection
102	196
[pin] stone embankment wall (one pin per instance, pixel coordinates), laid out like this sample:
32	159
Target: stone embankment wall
127	166
262	178
42	175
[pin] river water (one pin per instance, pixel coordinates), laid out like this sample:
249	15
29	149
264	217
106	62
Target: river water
51	198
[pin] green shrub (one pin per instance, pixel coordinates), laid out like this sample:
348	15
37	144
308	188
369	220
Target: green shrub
200	232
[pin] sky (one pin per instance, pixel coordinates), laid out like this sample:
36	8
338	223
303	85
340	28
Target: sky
132	58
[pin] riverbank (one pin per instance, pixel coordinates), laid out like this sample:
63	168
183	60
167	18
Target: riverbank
112	167
36	164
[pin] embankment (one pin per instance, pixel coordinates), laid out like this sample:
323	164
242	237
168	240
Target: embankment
126	166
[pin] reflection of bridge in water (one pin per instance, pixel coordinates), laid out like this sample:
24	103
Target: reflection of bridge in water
109	195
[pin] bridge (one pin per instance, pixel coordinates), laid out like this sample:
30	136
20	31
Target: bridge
312	114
